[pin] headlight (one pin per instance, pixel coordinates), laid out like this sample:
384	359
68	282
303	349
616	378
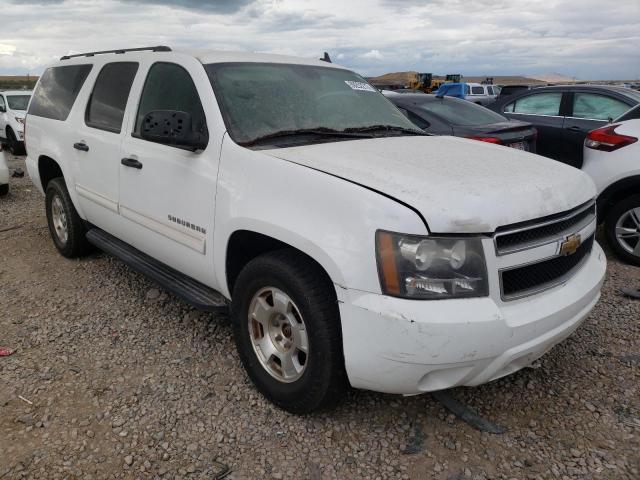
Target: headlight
431	267
19	120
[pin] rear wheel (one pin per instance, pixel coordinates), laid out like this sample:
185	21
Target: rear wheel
622	229
65	225
4	189
287	330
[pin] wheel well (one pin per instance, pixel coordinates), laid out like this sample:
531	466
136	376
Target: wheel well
245	245
48	169
616	192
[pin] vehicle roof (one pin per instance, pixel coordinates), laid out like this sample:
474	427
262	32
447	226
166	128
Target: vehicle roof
612	88
422	98
223	56
204	57
16	92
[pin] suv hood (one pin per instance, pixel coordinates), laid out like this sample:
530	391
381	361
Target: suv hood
458	185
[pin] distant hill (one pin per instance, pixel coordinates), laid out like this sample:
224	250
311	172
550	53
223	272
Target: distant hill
404	78
553	78
17	82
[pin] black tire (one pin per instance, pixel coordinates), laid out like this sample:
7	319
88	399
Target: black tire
610	221
76	244
4	189
323	382
14	146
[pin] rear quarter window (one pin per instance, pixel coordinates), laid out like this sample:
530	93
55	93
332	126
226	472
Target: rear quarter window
108	101
477	90
57	91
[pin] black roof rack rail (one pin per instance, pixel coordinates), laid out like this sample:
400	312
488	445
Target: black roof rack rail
159	48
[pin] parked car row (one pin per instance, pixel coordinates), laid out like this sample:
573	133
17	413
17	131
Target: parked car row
564	114
353	247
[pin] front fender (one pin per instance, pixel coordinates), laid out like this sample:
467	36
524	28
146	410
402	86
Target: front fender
328	218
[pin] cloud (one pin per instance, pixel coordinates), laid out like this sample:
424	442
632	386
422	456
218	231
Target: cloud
7	49
495	37
372	54
217	6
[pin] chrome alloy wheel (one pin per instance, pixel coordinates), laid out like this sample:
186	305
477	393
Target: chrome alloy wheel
59	219
278	334
628	231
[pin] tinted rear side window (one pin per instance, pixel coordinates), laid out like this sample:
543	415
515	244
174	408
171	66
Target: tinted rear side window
477	90
597	107
547	103
109	97
57	90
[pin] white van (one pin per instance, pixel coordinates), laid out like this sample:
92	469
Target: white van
352	248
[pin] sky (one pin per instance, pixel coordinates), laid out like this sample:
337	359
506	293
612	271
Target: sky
585	39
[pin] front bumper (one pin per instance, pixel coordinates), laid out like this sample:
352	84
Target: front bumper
412	346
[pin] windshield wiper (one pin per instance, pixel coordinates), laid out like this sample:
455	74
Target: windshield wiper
385	128
308	131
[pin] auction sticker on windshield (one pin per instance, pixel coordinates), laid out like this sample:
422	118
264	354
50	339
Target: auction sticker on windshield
360	86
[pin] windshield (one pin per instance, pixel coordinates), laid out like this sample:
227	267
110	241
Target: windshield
461	112
18	102
261	99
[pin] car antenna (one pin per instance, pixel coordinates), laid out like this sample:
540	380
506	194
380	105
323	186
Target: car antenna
326	58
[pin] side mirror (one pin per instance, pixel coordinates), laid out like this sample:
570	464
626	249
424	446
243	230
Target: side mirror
172	127
3	109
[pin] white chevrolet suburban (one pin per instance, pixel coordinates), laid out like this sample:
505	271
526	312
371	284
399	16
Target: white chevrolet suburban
13	108
352	247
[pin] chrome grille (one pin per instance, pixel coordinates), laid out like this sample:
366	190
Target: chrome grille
529	235
528	279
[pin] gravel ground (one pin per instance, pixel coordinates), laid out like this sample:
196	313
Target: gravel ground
121	380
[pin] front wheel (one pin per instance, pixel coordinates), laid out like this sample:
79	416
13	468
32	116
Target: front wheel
65	225
287	330
622	229
4	189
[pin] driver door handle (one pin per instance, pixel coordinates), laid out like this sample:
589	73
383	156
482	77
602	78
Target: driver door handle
83	147
131	162
575	128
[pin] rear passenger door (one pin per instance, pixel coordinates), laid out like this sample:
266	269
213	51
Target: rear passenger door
543	111
167	193
588	111
97	146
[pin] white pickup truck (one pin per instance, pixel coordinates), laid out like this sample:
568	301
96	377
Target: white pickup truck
352	248
481	94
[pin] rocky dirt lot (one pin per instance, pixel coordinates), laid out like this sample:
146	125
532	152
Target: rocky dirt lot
113	378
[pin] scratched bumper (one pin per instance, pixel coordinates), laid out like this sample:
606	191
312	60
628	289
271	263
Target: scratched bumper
411	346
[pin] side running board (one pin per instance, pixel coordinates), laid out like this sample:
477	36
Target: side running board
190	290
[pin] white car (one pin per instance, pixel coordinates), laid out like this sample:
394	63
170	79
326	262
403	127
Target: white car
4	175
352	248
612	159
13	108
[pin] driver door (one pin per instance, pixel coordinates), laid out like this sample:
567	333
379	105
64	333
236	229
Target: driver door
167	193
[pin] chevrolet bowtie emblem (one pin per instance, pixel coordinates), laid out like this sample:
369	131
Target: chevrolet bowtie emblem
571	244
